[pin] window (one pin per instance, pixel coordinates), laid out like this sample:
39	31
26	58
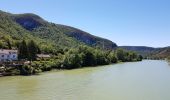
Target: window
13	56
2	55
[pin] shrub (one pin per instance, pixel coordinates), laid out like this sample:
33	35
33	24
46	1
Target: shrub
26	70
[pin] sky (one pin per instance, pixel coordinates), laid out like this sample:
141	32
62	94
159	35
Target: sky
125	22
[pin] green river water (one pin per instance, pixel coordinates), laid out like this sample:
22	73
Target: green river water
146	80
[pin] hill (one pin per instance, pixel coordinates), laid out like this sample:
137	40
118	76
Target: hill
161	53
49	36
142	50
149	51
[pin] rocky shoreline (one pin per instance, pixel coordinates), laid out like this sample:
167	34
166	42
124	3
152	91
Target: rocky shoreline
9	71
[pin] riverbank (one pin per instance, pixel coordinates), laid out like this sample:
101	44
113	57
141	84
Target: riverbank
72	59
36	68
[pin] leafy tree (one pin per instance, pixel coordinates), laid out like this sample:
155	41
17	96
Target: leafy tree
32	50
72	59
120	54
139	58
9	44
38	50
101	58
112	57
131	57
1	44
23	50
89	58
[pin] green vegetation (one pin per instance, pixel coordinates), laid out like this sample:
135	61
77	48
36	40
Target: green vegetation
70	47
33	49
28	51
83	56
23	50
50	37
149	52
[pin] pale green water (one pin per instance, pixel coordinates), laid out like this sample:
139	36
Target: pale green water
146	80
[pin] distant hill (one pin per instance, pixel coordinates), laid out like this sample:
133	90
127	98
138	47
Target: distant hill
142	50
149	51
162	52
50	36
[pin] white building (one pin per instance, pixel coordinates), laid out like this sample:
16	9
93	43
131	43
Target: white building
8	55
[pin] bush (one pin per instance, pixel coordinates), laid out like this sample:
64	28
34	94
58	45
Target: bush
139	58
112	57
26	70
72	59
120	54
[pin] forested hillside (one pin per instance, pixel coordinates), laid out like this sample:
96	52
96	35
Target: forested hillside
49	36
149	51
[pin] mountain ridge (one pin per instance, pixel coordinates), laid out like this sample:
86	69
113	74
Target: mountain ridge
31	26
161	52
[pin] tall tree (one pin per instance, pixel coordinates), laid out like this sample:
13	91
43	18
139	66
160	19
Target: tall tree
120	54
33	50
23	50
9	44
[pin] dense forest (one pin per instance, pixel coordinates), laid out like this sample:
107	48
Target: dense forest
49	36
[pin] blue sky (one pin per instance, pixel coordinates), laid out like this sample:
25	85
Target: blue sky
126	22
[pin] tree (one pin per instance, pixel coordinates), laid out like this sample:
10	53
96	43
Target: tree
131	56
23	50
9	44
139	58
102	58
1	44
112	57
38	49
72	59
120	54
32	50
134	55
89	58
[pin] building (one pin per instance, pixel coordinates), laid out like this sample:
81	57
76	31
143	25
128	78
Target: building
8	55
43	56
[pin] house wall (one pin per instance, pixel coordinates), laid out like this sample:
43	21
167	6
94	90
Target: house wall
13	56
9	57
3	57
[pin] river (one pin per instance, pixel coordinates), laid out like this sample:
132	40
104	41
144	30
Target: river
146	80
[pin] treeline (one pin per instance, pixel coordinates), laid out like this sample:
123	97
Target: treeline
81	56
86	56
